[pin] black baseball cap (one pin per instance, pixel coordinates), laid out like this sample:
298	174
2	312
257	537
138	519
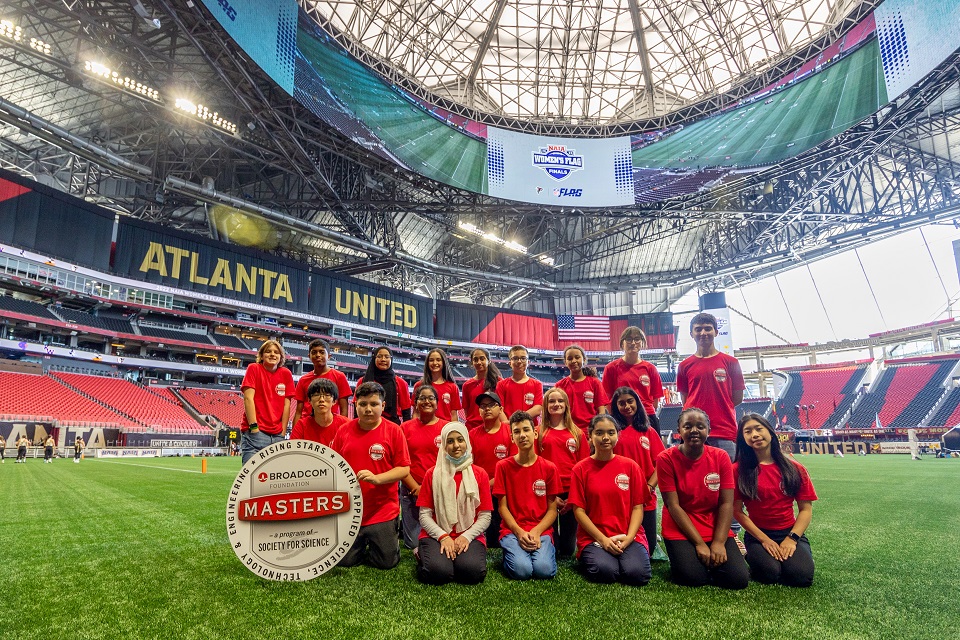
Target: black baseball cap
489	395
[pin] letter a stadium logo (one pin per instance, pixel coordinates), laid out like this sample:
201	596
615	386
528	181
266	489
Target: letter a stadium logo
557	161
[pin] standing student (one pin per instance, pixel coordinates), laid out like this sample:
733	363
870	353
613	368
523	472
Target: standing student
585	393
48	445
696	481
319	352
492	442
768	484
423	441
564	444
607	492
22	445
526	487
486	379
642	444
380	370
455	506
376	450
267	388
632	371
438	373
78	447
321	423
520	392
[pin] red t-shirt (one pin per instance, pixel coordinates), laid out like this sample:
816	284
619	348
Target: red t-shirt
697	484
773	509
642	448
586	398
308	429
471	389
425	499
378	450
527	489
448	398
404	401
271	390
519	397
334	376
642	377
709	384
563	450
491	448
608	491
423	442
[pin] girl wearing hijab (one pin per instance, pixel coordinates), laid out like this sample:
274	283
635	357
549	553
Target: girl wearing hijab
455	507
397	402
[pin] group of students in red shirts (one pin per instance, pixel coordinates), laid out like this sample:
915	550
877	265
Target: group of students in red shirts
572	471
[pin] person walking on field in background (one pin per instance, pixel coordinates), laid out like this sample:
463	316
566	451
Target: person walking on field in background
319	351
78	446
22	445
48	449
3	446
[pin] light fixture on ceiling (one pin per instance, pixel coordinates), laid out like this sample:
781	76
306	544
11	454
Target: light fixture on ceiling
492	237
124	82
203	113
39	45
10	31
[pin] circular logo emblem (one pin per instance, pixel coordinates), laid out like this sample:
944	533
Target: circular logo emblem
623	481
720	375
645	380
528	399
376	451
712	481
540	488
446	398
645	442
572	445
500	451
436	441
294	511
281	389
588	397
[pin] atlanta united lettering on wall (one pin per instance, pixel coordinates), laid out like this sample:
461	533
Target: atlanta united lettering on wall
294	511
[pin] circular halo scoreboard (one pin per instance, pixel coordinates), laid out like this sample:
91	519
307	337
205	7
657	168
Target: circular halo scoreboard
294	511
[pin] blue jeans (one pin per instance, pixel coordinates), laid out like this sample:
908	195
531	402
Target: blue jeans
731	449
251	443
520	564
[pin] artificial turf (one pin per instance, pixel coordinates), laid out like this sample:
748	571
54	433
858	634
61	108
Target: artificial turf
138	549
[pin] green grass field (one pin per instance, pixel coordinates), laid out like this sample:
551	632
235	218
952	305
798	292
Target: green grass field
138	549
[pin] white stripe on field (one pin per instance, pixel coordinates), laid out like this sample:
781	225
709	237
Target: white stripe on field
154	466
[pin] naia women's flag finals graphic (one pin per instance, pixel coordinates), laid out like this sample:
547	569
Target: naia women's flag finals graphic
294	511
580	172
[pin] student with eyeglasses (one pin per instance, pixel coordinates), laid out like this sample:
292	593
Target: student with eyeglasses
632	371
423	441
521	392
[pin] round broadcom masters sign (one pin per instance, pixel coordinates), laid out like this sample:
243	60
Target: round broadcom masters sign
294	511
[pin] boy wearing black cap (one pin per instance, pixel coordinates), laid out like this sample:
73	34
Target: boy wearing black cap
492	443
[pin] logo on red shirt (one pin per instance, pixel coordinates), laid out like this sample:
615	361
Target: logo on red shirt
540	488
446	398
377	451
645	380
436	441
588	397
500	451
623	481
572	445
528	399
281	389
712	481
720	375
645	442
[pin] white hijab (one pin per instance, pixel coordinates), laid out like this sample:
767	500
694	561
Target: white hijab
455	511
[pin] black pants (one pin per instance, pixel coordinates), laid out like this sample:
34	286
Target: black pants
565	532
493	531
21	453
795	571
47	453
687	570
631	567
650	529
469	567
378	544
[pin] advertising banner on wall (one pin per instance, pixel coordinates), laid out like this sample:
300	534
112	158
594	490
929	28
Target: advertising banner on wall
578	172
153	253
364	303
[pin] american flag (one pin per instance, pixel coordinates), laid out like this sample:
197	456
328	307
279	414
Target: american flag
583	327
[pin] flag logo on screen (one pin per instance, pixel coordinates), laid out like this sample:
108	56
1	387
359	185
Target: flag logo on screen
583	327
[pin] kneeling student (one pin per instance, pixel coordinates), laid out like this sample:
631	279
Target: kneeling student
526	486
608	492
455	505
377	452
320	425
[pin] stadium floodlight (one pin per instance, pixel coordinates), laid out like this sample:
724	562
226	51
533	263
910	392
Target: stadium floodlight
547	260
203	113
492	237
106	74
39	45
10	31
